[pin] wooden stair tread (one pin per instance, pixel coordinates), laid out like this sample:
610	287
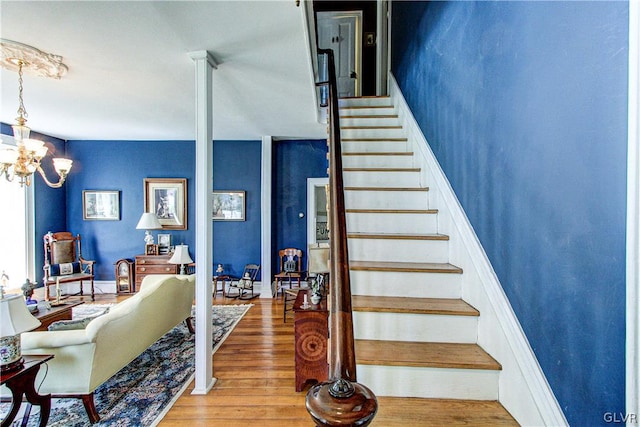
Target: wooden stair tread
369	127
355	107
374	139
415	411
370	116
375	153
397	236
444	306
381	169
394	211
386	188
407	267
424	354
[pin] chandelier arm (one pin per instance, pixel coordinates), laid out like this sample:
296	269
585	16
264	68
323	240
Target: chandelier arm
49	183
4	170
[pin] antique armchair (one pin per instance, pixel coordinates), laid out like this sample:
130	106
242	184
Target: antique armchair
245	283
290	269
63	262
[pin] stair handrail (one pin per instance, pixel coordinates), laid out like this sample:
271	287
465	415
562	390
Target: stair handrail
341	400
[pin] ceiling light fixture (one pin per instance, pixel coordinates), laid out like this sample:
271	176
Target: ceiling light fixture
23	159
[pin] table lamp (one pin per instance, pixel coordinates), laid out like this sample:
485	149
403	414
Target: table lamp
14	320
148	221
181	256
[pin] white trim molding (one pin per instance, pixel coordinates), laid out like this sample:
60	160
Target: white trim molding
523	390
265	216
633	219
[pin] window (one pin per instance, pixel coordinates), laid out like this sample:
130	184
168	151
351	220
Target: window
16	250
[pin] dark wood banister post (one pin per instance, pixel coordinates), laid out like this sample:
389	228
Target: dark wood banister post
341	401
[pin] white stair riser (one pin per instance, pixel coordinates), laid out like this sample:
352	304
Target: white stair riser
371	111
366	101
441	383
406	284
360	199
372	133
369	121
369	325
364	161
381	179
374	146
398	250
392	223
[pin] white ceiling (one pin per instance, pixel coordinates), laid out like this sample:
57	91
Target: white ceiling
130	76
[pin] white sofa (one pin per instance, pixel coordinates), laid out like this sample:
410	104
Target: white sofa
86	358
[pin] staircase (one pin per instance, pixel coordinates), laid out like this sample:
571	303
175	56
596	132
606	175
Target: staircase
415	335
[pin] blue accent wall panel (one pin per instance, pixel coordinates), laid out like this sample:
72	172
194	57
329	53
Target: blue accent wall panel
525	106
293	162
123	166
237	167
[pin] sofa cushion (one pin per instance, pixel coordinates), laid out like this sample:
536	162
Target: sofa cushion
64	269
66	325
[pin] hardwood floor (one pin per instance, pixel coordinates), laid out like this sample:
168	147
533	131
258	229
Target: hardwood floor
255	384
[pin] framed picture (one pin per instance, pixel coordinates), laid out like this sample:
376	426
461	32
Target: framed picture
167	197
164	240
101	205
164	244
151	249
228	205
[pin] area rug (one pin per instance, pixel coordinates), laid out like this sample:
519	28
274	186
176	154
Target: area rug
141	393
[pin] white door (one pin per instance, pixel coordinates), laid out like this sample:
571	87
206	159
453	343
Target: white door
341	31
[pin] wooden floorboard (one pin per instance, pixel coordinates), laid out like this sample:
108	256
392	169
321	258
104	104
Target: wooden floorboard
254	369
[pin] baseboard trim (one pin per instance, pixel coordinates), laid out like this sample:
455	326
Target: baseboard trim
524	363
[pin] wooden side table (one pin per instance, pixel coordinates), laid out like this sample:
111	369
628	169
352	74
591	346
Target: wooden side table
22	382
311	331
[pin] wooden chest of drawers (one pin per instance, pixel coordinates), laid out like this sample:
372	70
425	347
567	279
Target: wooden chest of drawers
153	264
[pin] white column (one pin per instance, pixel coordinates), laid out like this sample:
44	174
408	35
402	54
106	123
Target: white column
204	65
265	217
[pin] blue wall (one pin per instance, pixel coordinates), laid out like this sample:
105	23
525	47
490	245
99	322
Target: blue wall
524	105
293	162
237	167
123	166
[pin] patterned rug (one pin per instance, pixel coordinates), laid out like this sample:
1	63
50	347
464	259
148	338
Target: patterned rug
141	392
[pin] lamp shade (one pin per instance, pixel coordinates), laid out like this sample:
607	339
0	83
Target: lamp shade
181	255
148	221
15	317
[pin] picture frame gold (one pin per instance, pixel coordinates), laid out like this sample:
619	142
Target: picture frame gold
167	197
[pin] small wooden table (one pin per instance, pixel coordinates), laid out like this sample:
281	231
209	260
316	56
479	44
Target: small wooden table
311	330
22	382
47	316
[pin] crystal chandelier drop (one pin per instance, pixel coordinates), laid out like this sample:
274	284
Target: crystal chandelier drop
23	159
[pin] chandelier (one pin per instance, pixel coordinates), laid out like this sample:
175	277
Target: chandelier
23	159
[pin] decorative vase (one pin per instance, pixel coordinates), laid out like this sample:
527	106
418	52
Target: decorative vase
315	299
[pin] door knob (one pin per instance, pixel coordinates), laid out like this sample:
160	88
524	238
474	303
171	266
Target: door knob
353	75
